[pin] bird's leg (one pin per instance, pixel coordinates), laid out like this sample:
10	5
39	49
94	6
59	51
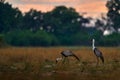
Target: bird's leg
64	58
97	61
67	59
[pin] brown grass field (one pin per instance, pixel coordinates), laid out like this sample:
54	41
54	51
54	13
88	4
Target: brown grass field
38	63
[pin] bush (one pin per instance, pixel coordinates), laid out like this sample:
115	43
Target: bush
2	42
29	38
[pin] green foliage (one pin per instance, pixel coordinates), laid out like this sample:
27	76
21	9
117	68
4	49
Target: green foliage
2	42
111	40
114	12
32	20
29	38
62	20
10	18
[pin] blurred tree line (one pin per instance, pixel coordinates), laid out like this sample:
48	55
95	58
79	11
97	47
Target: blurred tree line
61	26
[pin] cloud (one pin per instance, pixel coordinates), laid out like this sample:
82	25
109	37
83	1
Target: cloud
44	1
27	7
92	7
59	1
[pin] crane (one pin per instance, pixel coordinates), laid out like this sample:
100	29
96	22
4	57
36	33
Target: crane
97	52
65	54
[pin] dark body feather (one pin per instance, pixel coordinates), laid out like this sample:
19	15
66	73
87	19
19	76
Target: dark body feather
68	53
98	53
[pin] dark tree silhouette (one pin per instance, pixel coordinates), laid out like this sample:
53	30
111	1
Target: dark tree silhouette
113	7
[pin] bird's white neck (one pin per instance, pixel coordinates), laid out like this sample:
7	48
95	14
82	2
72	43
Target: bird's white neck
93	44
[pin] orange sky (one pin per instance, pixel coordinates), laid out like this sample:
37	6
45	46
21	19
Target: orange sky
92	7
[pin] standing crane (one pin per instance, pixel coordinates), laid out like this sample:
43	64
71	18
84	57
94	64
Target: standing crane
65	54
97	52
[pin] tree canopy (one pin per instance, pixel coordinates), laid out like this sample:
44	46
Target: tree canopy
60	26
113	13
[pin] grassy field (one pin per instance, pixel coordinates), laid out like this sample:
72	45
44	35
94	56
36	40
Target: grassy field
37	63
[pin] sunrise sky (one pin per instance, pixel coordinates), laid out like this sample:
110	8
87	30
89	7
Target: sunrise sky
92	7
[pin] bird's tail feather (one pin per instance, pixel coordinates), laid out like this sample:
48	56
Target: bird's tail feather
102	58
76	57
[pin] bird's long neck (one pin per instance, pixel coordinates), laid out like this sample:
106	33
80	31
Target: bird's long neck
93	44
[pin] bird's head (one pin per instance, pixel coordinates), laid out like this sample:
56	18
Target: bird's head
58	59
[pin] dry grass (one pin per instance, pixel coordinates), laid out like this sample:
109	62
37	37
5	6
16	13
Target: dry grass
36	63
